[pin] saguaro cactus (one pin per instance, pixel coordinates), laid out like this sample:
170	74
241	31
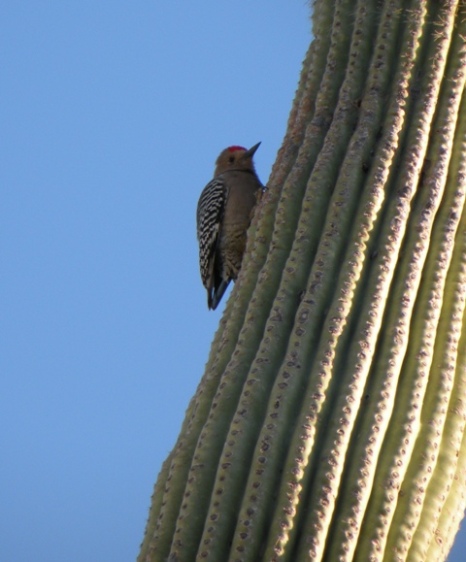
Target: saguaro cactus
329	424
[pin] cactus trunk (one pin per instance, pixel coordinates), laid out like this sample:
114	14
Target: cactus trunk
330	422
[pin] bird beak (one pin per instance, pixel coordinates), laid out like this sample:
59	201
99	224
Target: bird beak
249	153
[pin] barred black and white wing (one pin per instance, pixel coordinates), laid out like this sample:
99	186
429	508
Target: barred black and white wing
210	209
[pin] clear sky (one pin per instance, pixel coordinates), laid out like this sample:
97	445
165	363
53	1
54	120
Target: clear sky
112	114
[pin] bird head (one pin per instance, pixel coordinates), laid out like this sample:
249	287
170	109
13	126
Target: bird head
236	158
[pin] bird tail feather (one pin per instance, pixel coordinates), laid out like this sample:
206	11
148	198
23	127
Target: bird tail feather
216	296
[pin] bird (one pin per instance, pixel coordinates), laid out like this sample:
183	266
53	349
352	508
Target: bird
224	213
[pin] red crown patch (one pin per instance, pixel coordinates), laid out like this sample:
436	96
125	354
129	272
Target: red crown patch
235	148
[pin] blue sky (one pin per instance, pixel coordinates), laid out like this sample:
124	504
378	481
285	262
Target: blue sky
112	114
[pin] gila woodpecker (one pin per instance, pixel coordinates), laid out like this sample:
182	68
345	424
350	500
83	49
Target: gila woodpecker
224	212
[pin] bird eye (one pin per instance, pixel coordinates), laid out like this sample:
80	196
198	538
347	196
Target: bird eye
231	159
